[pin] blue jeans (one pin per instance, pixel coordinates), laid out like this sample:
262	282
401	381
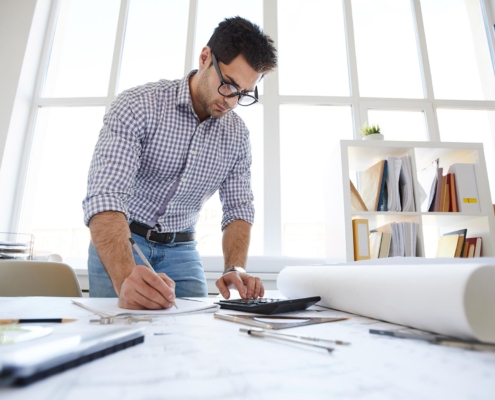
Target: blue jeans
180	261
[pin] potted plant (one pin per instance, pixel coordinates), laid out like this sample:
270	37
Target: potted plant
371	132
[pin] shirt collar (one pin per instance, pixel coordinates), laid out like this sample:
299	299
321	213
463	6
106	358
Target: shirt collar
183	92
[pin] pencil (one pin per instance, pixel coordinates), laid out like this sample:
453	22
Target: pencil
35	320
146	262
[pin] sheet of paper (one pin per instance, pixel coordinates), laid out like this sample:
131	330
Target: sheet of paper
197	356
451	299
184	306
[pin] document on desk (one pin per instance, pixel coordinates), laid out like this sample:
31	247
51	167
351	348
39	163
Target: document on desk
455	298
198	357
109	307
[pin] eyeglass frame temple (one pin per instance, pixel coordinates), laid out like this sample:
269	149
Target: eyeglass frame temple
223	82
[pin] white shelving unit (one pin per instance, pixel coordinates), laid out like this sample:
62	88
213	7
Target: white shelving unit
352	157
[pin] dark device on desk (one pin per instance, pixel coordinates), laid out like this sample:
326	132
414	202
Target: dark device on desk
35	361
269	306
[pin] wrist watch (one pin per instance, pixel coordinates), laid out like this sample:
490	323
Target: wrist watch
234	268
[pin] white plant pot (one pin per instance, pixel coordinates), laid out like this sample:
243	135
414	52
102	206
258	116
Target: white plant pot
373	136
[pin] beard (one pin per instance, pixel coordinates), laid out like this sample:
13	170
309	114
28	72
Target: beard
205	97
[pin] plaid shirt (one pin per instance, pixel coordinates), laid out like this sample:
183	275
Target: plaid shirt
153	152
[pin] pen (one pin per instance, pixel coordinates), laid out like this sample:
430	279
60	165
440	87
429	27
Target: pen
404	335
262	333
313	339
465	345
35	320
241	321
146	262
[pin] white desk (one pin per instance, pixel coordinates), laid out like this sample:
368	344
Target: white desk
199	357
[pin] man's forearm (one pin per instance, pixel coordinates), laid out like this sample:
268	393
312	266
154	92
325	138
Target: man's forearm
110	235
235	243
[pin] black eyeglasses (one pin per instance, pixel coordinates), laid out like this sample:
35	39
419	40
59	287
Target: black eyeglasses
229	90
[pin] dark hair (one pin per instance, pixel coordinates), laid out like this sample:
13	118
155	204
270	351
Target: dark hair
234	36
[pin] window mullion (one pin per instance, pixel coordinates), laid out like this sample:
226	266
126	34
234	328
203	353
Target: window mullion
487	12
271	127
352	65
423	50
117	52
24	160
191	34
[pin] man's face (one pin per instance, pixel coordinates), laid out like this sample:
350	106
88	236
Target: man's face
237	73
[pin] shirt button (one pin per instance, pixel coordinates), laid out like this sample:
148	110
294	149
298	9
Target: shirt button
193	152
184	179
171	203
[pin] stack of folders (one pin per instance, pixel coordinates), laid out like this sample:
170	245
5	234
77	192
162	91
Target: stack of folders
456	191
388	185
397	239
457	244
15	246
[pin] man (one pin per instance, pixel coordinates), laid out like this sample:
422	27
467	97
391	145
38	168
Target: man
164	150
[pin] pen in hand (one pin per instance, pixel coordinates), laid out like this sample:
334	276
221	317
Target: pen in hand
145	261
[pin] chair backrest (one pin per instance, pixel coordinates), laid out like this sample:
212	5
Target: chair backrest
37	278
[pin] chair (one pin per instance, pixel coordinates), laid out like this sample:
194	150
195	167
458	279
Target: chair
37	278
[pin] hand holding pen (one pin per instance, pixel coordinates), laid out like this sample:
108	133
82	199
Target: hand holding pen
150	290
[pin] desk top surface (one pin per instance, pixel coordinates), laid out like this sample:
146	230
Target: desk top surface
197	356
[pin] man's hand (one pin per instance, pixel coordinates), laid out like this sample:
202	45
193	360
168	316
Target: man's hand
249	287
143	289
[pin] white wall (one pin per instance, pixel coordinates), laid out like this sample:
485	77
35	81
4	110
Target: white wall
22	30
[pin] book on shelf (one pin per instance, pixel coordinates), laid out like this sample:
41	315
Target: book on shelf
406	185
475	245
462	233
361	240
438	190
383	198
447	246
357	203
466	187
371	184
401	239
446	204
393	176
385	245
457	244
428	183
453	195
375	242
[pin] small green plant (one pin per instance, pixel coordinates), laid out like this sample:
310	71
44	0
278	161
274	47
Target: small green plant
370	129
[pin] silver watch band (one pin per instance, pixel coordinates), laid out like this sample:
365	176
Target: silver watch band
234	268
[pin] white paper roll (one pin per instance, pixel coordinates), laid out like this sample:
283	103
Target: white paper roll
456	300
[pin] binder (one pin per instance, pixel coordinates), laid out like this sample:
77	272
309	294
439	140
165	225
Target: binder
357	203
371	185
360	235
466	187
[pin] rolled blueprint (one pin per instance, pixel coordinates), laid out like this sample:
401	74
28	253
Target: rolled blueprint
451	299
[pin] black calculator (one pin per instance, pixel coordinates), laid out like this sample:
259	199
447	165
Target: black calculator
269	306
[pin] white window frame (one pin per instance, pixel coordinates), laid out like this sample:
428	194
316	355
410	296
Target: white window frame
272	261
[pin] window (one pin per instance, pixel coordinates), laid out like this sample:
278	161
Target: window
422	69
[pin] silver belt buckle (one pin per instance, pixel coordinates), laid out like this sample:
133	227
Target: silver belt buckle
148	236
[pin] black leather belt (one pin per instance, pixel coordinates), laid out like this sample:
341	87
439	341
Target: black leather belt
154	236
